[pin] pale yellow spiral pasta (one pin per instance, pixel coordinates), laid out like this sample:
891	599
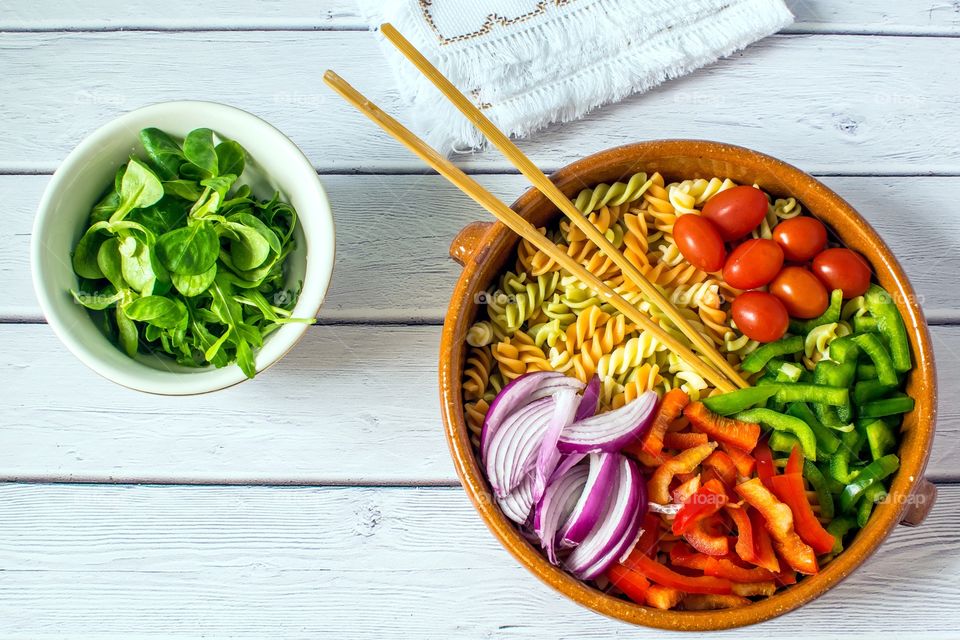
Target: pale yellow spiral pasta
480	334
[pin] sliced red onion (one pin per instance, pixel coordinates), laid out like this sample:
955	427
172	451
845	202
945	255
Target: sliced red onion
557	504
617	527
518	503
567	462
514	447
564	409
590	401
613	430
519	393
603	469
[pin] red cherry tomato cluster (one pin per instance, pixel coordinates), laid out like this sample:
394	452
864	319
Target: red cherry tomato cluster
794	290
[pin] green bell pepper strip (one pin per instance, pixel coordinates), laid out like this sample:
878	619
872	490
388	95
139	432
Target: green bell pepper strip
880	438
773	366
829	395
874	472
759	358
780	422
839	467
839	528
835	487
783	442
865	324
789	372
827	441
873	494
735	401
765	380
890	325
886	407
820	486
832	314
866	390
866	371
871	345
827	415
844	349
832	374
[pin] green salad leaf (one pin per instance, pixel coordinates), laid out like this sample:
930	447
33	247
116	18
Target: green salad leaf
181	259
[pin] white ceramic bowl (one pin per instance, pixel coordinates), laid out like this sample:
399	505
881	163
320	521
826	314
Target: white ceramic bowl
274	163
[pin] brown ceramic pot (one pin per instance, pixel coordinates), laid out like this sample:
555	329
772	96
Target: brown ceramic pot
484	249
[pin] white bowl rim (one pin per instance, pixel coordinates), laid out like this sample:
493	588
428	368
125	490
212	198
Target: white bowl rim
318	231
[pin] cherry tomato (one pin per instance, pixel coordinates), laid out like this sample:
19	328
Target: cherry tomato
843	269
800	292
699	242
736	211
801	238
760	315
753	264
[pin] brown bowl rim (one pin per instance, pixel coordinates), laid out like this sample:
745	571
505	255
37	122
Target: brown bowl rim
886	516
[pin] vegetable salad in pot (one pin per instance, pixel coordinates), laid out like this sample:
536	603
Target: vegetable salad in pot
629	469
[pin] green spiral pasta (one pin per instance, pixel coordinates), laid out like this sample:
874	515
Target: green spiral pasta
612	194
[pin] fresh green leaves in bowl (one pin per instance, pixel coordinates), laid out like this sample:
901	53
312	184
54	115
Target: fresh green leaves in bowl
180	259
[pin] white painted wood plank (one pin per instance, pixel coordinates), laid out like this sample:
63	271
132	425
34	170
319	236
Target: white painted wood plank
851	16
393	233
885	112
349	405
268	562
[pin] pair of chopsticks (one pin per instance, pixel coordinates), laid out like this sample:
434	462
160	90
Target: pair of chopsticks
721	374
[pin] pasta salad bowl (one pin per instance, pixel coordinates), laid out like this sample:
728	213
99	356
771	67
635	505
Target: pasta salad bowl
489	252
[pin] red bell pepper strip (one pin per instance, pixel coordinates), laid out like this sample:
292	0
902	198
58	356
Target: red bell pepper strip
789	488
671	407
724	568
706	536
787	577
667	577
795	462
645	458
683	555
765	468
660	597
709	602
744	462
779	521
705	501
746	544
763	545
743	435
683	492
683	462
650	537
684	440
723	465
633	584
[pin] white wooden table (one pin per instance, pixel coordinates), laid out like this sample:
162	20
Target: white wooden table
319	499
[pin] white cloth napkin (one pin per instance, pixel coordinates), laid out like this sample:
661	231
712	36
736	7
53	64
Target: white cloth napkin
528	63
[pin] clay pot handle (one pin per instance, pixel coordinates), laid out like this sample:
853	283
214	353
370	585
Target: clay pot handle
920	503
470	239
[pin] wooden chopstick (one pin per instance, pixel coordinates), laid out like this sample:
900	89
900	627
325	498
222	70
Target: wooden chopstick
519	225
546	187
